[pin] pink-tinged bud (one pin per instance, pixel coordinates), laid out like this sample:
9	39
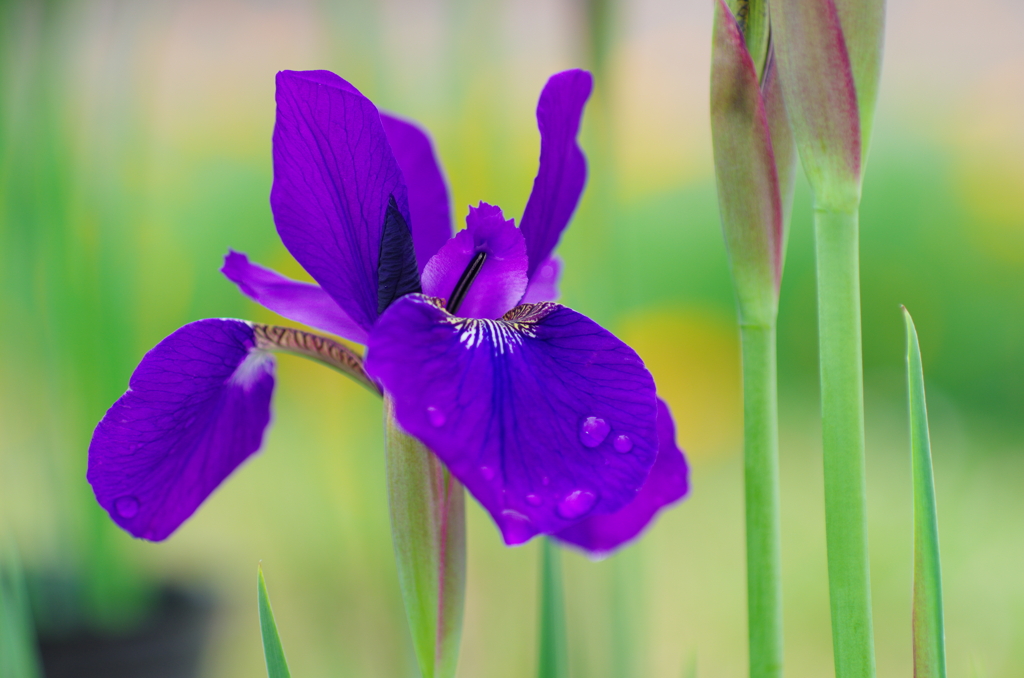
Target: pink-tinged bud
743	121
818	85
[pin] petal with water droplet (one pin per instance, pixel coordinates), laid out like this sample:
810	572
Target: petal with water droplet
196	407
668	482
516	392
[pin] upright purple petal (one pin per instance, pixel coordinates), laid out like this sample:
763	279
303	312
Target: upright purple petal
501	281
299	301
428	195
525	411
667	484
334	176
544	283
196	408
563	169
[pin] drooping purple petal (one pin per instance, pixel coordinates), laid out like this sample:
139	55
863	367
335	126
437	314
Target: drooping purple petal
428	195
196	408
667	484
334	177
302	302
563	168
543	286
525	410
501	281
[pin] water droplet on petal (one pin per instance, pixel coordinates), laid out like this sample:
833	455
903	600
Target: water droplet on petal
576	504
534	500
545	480
126	507
593	431
436	417
487	472
515	527
622	444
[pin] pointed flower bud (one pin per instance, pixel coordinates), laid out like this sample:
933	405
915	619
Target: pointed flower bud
748	117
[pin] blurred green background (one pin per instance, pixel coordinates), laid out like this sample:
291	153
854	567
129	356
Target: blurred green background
135	150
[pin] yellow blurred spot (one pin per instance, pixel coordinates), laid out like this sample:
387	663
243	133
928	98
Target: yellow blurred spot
694	357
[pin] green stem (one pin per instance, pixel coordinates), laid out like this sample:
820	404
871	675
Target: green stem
842	411
553	652
761	461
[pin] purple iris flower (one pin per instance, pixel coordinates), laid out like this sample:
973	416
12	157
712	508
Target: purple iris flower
549	420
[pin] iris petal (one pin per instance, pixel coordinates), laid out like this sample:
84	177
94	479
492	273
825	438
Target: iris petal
196	407
302	302
501	281
667	484
334	176
544	283
563	168
524	411
428	196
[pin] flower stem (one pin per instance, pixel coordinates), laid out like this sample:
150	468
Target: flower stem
553	655
761	461
842	410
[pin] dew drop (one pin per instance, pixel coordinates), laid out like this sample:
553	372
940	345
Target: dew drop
436	417
622	444
126	507
593	431
534	500
545	480
515	527
576	504
487	472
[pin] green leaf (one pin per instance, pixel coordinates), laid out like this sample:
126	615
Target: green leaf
821	98
863	24
748	183
273	652
553	655
428	529
929	636
17	631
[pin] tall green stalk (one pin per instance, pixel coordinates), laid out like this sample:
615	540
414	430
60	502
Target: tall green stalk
761	475
842	411
552	653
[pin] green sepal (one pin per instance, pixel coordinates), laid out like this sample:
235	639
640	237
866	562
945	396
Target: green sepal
553	646
929	636
428	529
749	195
821	98
273	651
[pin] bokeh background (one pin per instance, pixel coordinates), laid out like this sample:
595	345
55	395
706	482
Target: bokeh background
135	150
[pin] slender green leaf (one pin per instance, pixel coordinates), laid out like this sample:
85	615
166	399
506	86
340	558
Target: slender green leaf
748	184
863	24
929	636
18	657
553	655
428	529
821	98
273	652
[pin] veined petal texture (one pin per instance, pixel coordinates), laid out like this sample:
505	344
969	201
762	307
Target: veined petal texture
501	281
428	196
563	168
667	484
334	178
543	415
302	302
196	407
